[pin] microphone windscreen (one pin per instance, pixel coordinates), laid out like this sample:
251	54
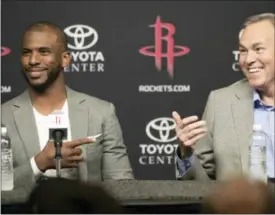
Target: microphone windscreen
58	122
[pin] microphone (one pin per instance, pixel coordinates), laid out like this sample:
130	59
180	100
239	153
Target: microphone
57	135
58	132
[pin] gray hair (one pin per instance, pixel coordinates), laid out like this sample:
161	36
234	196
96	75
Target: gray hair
257	18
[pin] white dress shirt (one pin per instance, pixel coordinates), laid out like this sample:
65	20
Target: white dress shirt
43	124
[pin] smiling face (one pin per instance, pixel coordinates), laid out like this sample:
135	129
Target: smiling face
42	58
257	54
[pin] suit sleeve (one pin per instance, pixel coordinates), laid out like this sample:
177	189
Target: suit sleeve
115	163
23	174
204	167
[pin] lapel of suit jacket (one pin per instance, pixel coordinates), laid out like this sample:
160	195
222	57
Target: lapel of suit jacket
25	123
78	114
243	116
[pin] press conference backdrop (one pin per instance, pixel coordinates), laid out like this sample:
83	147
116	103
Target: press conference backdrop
148	58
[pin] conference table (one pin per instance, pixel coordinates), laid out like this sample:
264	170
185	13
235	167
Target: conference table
136	196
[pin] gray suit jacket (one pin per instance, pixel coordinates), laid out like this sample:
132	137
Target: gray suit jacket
105	159
223	151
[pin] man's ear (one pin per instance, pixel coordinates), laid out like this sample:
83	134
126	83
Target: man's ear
66	59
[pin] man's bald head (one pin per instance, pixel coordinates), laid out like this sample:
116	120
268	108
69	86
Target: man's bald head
239	196
44	55
48	26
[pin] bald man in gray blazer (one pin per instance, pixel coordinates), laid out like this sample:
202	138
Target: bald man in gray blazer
223	151
104	159
43	58
217	147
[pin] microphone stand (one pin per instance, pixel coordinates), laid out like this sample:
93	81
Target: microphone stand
58	144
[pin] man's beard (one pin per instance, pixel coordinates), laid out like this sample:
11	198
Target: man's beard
41	88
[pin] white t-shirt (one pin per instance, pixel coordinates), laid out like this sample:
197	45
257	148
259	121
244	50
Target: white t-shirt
42	124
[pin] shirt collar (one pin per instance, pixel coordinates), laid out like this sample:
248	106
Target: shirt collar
258	104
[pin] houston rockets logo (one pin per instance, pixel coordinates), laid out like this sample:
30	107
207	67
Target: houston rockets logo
57	120
5	51
157	50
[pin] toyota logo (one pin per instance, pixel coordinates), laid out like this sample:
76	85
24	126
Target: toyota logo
161	130
80	34
5	51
